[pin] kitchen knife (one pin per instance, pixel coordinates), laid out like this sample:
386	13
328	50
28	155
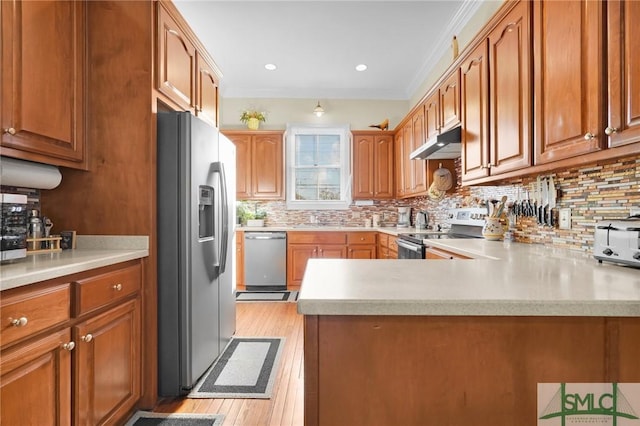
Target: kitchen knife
545	201
539	200
552	201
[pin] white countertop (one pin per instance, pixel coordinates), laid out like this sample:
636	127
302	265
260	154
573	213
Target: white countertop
327	228
502	280
92	252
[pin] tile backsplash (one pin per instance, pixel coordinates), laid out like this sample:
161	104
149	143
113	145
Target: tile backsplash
593	192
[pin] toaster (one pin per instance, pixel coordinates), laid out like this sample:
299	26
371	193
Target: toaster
618	241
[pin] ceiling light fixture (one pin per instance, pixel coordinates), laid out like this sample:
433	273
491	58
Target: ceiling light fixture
270	67
318	110
361	67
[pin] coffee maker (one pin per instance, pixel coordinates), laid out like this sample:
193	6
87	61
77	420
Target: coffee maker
404	217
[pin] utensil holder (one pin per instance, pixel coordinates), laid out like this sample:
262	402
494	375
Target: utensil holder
493	228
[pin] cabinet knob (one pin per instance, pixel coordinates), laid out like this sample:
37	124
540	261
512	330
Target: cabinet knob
117	287
87	337
610	130
10	130
68	346
19	322
588	136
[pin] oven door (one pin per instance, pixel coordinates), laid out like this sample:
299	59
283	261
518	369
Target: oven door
409	249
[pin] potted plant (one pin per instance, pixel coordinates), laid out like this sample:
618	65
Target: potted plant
253	118
250	217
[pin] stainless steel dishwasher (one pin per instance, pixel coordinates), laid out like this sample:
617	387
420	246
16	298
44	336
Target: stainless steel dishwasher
265	260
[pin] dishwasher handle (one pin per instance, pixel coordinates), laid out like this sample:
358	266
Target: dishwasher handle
265	236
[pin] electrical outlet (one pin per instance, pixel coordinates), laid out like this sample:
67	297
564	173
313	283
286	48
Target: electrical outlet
355	215
634	211
564	218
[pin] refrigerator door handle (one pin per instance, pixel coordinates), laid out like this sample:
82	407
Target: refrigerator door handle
218	167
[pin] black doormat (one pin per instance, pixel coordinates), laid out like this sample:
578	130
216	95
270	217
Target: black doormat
146	418
266	296
246	369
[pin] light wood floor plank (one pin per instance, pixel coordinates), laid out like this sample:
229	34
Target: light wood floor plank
285	407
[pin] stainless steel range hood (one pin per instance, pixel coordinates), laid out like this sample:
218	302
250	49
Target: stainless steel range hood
444	146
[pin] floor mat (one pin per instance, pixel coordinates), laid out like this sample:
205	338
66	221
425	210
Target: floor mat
246	369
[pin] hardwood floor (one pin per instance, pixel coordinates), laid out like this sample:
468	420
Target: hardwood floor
285	407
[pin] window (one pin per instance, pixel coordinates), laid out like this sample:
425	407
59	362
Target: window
318	172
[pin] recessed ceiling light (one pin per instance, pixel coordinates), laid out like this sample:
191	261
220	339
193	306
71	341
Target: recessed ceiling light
270	67
361	67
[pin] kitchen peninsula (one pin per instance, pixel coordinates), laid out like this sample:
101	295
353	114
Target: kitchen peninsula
463	342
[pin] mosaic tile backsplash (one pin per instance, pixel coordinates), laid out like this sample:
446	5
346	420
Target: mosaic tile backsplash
594	192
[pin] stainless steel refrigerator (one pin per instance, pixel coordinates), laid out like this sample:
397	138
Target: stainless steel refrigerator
196	277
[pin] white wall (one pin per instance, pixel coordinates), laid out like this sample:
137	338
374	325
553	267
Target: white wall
358	113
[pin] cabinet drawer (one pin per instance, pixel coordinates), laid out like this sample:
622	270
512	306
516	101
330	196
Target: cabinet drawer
31	309
361	238
100	290
316	237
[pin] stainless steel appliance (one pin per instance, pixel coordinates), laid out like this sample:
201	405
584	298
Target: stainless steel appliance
265	260
422	219
13	225
196	287
464	223
618	241
404	217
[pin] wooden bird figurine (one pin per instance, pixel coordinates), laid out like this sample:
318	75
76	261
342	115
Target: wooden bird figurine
382	126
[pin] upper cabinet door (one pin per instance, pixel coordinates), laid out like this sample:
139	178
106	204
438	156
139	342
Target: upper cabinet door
42	91
363	166
267	166
474	102
623	44
176	61
206	92
450	102
242	142
432	116
383	167
400	162
510	91
418	167
568	78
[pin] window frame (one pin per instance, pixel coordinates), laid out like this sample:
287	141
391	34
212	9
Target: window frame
344	133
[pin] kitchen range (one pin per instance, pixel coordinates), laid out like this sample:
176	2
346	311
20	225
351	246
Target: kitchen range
464	223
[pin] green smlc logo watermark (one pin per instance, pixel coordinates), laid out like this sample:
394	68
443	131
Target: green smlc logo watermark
612	404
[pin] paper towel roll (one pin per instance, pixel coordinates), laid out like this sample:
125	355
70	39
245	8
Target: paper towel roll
26	174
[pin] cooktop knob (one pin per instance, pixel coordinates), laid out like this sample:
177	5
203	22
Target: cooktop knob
607	252
637	256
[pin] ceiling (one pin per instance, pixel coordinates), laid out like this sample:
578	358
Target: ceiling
317	44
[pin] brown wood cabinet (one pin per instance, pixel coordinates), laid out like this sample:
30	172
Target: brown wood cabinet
361	245
96	314
206	106
623	47
568	78
43	87
35	381
510	102
373	165
107	365
184	73
304	245
411	175
504	103
449	94
347	361
438	253
240	260
387	246
474	101
259	164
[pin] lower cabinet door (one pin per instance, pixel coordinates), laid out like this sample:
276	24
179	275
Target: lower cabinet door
362	252
35	382
297	257
107	365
